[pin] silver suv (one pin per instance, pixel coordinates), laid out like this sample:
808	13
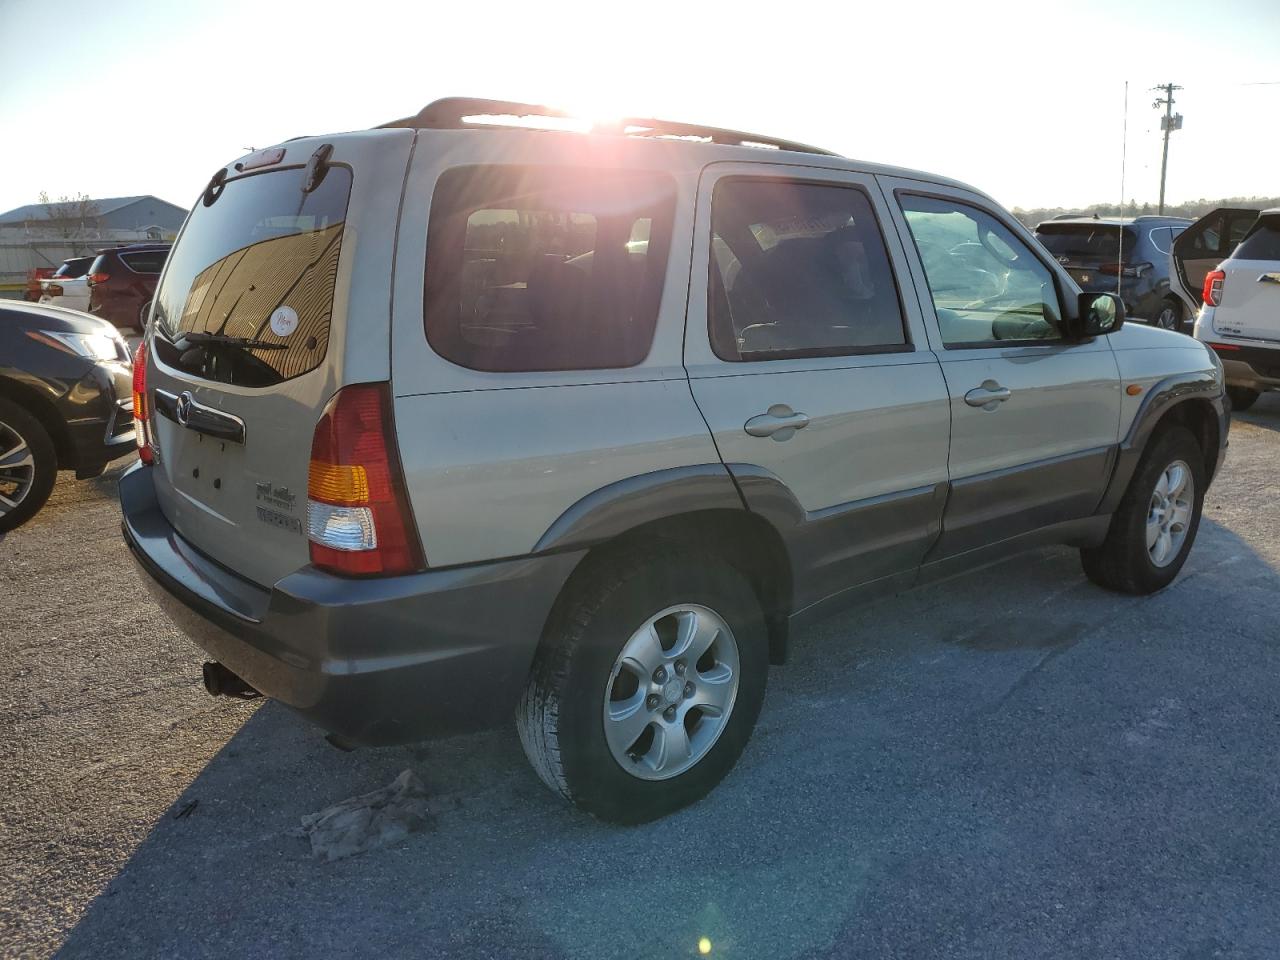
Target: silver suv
454	419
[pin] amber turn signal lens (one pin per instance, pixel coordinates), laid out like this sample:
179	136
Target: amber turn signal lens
1133	389
337	483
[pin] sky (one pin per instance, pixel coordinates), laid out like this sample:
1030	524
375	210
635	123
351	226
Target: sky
1024	100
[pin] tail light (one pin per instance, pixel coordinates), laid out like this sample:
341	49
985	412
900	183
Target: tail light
1212	292
358	518
1127	270
141	427
98	278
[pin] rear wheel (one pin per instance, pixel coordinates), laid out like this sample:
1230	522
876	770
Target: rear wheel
1156	522
649	686
28	465
143	313
1169	317
1242	398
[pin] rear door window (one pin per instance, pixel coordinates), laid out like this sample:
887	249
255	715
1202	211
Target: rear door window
799	270
546	268
262	250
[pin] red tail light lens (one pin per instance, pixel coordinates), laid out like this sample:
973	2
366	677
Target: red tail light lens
141	428
1212	292
98	278
358	518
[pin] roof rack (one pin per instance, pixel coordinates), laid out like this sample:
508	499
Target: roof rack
457	113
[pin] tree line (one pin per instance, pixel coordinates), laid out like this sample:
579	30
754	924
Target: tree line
1191	209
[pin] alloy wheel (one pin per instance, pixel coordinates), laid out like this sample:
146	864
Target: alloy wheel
1167	319
17	468
1169	515
671	691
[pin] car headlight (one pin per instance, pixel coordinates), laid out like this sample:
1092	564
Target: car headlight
94	346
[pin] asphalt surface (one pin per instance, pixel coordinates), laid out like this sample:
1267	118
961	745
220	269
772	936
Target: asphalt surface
1010	764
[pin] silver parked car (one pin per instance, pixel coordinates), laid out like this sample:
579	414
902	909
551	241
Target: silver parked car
452	420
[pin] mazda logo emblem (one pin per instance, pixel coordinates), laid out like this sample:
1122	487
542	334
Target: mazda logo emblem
183	407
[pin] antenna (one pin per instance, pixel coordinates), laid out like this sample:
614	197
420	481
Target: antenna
1124	153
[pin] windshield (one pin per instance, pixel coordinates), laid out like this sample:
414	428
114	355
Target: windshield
1085	241
259	264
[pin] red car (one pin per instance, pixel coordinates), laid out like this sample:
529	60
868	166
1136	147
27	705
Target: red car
34	276
123	280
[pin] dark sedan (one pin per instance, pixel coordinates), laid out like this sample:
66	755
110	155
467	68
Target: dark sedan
66	402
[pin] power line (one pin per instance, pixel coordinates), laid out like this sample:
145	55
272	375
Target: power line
1168	123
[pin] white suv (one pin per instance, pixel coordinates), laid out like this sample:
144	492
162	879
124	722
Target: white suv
452	420
1240	318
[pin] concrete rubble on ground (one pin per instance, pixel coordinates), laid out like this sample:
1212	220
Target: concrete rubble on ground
367	822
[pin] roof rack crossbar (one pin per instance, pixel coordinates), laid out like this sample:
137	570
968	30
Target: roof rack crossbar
455	113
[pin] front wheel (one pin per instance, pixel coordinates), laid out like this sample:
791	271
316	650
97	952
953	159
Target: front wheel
648	685
1153	528
28	465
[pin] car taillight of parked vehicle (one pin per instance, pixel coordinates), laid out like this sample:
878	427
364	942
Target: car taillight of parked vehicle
358	519
1212	292
142	429
98	278
1128	270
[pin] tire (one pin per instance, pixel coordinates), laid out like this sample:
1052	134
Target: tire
1169	317
1127	561
1242	398
577	676
30	465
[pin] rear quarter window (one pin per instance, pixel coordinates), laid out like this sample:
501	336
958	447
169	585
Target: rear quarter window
546	268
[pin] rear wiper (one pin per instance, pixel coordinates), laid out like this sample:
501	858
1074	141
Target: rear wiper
223	340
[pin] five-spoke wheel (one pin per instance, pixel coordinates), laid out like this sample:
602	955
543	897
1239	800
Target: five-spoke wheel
671	691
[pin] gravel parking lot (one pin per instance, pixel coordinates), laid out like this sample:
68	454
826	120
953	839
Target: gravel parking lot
1011	764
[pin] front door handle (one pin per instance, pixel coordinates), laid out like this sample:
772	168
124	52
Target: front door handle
988	396
779	422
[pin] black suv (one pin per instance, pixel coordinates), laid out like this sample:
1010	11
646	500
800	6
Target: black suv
66	402
1121	255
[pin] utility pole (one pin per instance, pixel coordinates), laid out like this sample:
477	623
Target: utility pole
1168	123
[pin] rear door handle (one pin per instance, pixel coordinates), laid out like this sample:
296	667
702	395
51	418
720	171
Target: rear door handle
779	422
988	396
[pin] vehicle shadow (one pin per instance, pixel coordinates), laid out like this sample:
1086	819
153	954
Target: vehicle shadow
1264	413
1004	764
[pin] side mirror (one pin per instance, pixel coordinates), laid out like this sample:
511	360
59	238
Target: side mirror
1097	314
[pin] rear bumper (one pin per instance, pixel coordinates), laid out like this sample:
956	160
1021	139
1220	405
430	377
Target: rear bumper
377	661
1251	367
